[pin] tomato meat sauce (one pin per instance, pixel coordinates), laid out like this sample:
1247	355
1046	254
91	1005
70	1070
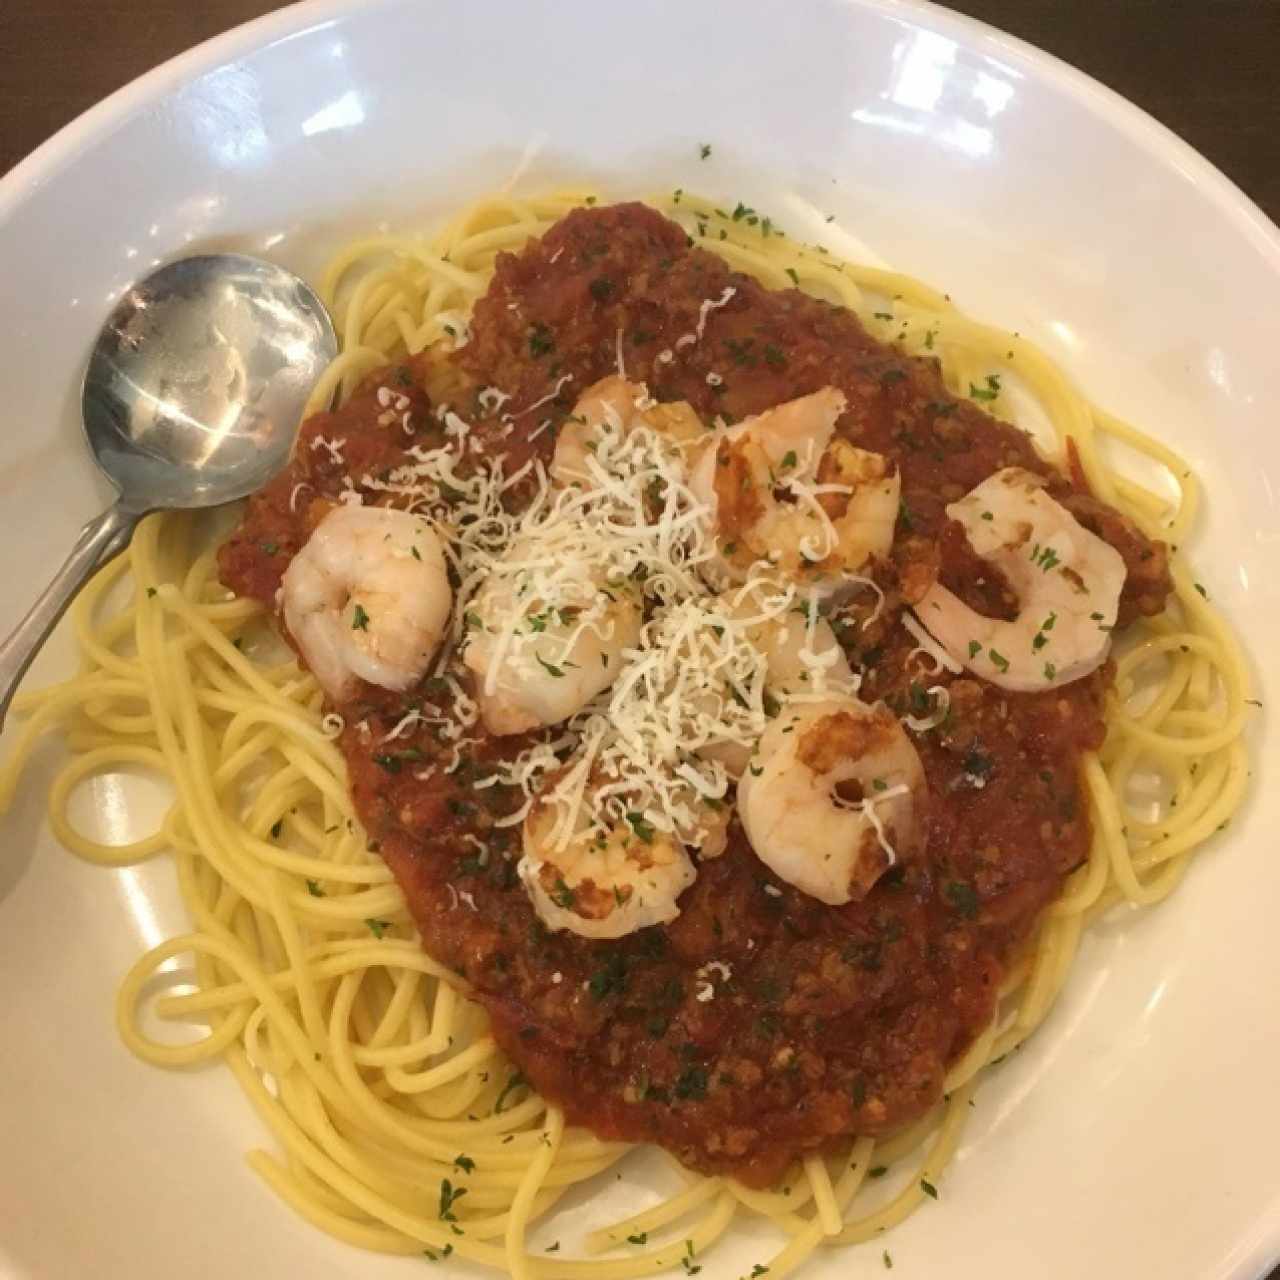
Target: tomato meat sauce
761	1024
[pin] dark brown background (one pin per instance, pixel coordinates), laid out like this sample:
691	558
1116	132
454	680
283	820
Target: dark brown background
1210	69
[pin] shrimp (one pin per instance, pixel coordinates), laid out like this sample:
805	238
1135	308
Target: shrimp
600	884
547	632
614	406
800	652
794	805
367	598
1068	582
801	655
782	491
550	625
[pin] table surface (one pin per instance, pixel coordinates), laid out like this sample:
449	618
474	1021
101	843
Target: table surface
1205	68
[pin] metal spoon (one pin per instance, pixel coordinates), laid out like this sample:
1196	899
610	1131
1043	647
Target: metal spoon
192	398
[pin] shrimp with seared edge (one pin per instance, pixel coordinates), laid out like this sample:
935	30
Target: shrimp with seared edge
832	797
781	490
367	598
798	656
607	412
1068	583
601	878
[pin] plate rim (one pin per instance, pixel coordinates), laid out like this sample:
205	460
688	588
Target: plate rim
303	16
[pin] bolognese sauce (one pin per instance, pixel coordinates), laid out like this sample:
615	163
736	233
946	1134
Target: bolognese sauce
760	1024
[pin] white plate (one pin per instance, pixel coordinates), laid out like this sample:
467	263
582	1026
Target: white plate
1136	1135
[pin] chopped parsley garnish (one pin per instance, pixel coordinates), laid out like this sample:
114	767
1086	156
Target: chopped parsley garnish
691	1084
989	392
1050	671
359	619
687	1261
562	896
514	1082
540	340
1201	590
601	289
314	889
276	828
465	1163
644	830
378	927
449	1196
1044	558
640	1237
963	897
1042	636
610	978
928	1188
788	459
435	1257
795	279
998	660
550	668
974	648
878	1172
704	151
888	1260
774	357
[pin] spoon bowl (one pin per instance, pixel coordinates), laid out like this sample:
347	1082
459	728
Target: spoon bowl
196	383
192	398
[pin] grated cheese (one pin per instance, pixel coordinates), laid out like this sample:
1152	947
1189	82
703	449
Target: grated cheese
927	644
538	573
334	447
942	705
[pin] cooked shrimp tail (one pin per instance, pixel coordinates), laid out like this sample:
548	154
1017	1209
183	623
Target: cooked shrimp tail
1067	580
367	599
781	491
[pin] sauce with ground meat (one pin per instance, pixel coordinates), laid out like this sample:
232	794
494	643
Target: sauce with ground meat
823	1021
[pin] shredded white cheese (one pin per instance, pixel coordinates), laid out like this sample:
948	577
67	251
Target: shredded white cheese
927	644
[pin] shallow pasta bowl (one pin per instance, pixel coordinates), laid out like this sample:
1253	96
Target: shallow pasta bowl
1131	1136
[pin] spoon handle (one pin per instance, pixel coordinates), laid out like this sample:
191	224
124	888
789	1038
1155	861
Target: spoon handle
99	540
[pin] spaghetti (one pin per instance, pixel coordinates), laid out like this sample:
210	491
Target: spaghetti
376	1075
